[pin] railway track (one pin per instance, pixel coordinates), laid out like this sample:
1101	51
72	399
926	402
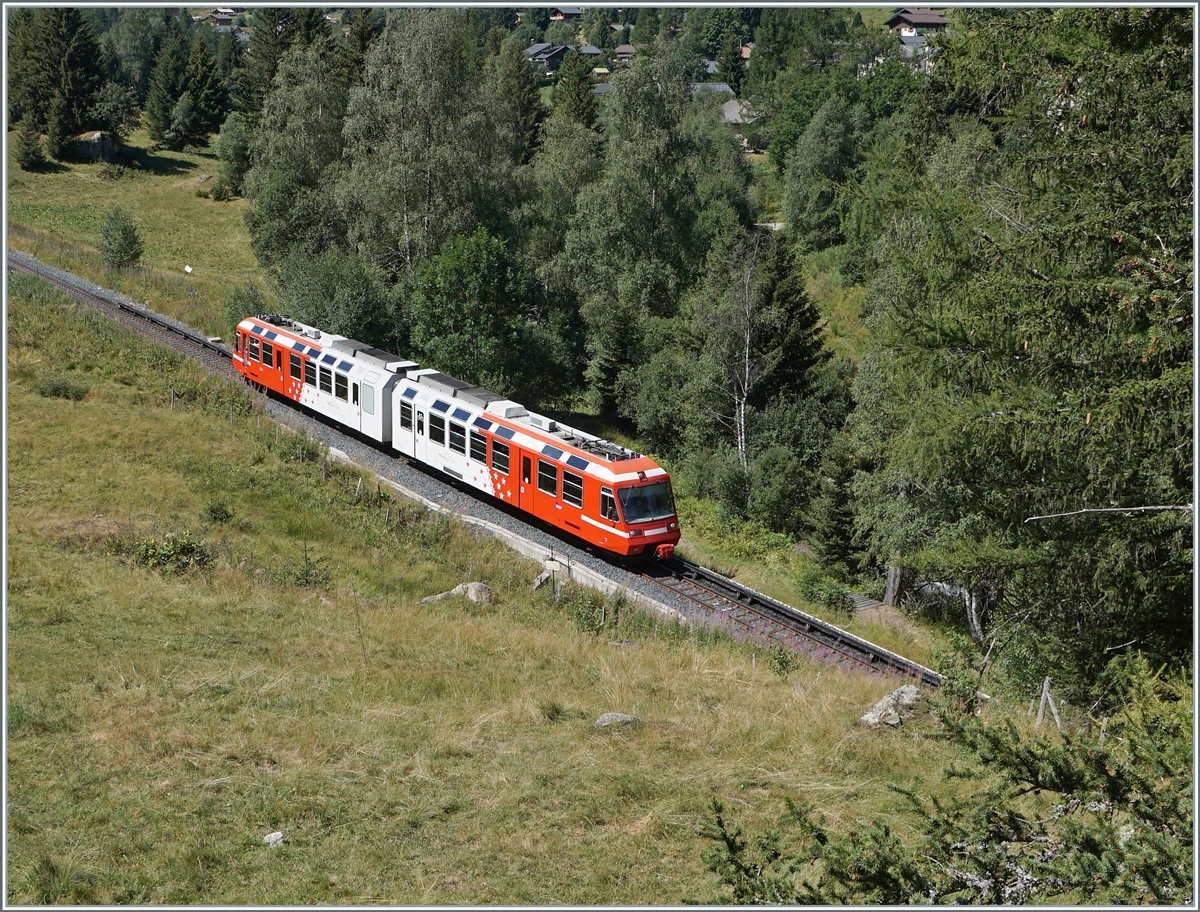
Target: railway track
741	609
209	352
765	619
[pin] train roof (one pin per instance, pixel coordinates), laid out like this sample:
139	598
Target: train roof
546	431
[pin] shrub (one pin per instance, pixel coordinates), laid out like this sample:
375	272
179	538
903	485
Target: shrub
59	387
116	172
826	593
233	152
309	573
782	661
217	512
221	193
174	553
120	245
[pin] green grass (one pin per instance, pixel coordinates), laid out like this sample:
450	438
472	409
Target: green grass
160	724
56	214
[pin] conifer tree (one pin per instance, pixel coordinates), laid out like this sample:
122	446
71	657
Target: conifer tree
203	83
30	154
573	98
58	136
120	244
730	67
29	83
277	30
167	83
517	101
72	58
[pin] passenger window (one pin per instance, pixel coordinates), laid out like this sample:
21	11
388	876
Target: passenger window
478	447
608	505
406	416
294	368
253	349
368	399
572	489
421	423
268	352
354	393
500	457
310	373
458	438
326	380
547	478
340	387
437	429
525	474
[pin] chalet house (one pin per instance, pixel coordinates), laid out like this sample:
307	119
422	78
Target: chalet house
624	52
546	57
565	13
911	22
224	15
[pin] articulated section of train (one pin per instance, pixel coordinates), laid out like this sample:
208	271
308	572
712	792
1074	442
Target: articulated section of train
603	493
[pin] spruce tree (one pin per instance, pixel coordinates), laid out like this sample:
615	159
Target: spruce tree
573	98
30	155
30	87
70	53
58	136
120	244
167	83
203	83
518	102
730	67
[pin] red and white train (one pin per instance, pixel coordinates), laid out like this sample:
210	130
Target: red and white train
603	493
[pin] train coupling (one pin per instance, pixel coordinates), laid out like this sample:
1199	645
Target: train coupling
665	551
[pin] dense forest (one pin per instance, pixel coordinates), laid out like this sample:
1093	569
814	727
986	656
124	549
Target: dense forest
1010	445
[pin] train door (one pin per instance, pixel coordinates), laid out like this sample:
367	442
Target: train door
419	440
546	503
404	427
525	497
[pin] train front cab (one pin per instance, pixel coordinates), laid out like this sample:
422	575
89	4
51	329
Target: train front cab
647	511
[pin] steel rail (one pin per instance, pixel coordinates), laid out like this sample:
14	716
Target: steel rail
215	355
769	618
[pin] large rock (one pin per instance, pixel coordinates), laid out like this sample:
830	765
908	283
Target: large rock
476	592
893	709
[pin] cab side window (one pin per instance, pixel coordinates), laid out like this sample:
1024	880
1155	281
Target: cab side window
608	505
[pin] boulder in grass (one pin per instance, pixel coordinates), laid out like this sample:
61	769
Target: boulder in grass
480	593
616	719
894	708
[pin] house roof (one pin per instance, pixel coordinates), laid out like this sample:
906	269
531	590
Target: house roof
590	50
736	111
921	17
721	88
914	40
601	89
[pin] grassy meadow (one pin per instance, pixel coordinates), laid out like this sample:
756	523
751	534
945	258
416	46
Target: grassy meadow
56	214
210	639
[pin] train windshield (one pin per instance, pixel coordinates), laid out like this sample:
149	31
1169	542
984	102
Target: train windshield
647	503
